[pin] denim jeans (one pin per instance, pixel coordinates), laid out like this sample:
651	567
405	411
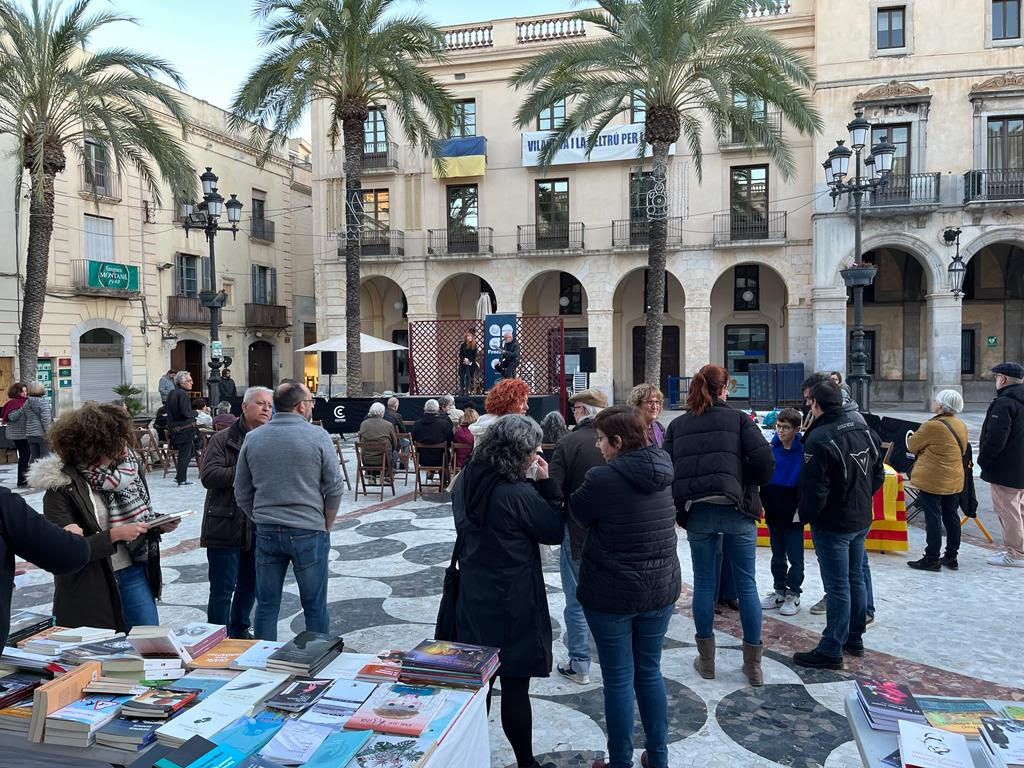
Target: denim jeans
787	558
137	602
941	512
577	639
725	584
739	544
629	646
232	588
306	550
465	378
869	591
841	561
38	449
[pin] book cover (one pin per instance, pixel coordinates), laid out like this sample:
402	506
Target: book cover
454	703
248	734
346	665
58	693
352	691
332	716
204	719
299	694
17	685
887	698
385	667
391	752
338	749
922	746
198	752
199	636
203	682
82	634
295	743
1014	712
1005	737
400	709
161	700
250	688
222	655
26	623
256	657
893	759
157	641
305	649
962	716
89	712
460	657
130	729
115	646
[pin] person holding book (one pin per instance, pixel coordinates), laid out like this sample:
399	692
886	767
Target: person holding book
227	534
780	499
95	482
629	578
940	444
501	518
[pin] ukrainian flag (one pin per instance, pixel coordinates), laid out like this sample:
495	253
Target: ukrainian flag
462	157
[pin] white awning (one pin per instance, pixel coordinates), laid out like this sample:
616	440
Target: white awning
368	344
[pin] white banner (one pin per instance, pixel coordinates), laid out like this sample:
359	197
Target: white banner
618	142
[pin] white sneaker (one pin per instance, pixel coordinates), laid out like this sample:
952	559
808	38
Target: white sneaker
791	606
773	600
1006	559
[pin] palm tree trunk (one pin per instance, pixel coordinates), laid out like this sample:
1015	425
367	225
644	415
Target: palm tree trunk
658	236
37	262
352	130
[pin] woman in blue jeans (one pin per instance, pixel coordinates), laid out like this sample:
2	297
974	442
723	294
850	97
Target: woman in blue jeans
629	579
720	459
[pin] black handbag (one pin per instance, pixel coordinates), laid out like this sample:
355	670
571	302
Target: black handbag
445	627
968	498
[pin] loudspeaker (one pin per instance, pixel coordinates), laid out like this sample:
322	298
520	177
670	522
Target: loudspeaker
329	363
588	359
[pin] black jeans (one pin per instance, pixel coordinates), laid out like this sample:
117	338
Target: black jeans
940	512
465	377
24	454
185	447
37	449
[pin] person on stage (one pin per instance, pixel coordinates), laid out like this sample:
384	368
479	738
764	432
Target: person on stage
467	362
509	360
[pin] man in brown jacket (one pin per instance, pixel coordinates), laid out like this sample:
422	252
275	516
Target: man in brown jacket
227	533
377	434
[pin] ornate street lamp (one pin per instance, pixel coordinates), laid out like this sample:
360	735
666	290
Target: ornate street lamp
957	270
206	217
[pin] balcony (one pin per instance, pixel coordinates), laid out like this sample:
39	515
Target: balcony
262	230
906	193
380	157
104	185
382	243
634	233
266	316
750	227
441	242
759	9
565	236
466	38
187	310
545	30
103	278
999	185
734	140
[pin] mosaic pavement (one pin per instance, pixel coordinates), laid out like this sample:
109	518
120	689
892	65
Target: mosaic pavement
945	632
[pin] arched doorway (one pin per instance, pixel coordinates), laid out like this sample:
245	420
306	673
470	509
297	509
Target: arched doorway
384	313
101	364
460	298
748	321
187	355
261	364
895	327
560	294
629	331
993	315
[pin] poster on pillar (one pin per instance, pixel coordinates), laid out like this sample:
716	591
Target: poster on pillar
495	328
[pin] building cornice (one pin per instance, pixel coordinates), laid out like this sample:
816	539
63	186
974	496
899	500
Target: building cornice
893	92
1008	84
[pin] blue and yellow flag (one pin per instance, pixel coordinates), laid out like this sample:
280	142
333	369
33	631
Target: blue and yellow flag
462	157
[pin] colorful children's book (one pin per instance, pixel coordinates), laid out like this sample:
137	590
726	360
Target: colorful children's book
393	752
401	709
961	716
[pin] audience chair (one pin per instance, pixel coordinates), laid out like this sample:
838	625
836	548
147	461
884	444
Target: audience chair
377	473
442	470
404	456
344	465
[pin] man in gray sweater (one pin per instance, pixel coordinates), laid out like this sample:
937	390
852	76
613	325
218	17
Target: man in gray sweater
288	480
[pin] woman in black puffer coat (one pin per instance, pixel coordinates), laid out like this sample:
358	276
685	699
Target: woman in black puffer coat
629	578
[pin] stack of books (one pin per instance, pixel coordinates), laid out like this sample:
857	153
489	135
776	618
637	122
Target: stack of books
104	649
222	655
158	642
17	717
34	662
157	703
956	715
35	638
885	703
922	746
58	693
199	637
24	624
203	682
339	703
296	743
437	662
128	733
1002	742
257	656
115	685
83	635
137	668
18	686
76	724
299	694
405	710
306	654
385	667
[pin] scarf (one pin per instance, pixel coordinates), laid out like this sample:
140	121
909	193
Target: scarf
11	405
122	489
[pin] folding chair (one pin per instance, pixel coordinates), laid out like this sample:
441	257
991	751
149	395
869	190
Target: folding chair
442	470
981	525
404	456
380	472
151	454
344	464
887	447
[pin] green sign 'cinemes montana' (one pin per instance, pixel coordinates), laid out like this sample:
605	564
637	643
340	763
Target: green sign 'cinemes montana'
113	277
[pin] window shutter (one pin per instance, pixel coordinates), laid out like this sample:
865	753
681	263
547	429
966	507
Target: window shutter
99	238
272	289
207	277
179	289
254	284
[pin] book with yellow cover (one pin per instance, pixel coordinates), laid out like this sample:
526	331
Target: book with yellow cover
59	693
961	716
222	654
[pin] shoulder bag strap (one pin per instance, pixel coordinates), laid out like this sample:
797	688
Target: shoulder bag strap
956	437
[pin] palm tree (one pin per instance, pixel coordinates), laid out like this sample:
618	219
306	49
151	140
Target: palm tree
54	96
686	60
348	54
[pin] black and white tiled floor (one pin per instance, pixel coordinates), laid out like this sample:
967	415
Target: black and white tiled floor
386	571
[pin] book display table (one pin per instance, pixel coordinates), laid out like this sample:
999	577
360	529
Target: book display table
874	745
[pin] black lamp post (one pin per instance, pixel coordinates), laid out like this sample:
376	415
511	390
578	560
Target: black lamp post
205	216
858	275
957	270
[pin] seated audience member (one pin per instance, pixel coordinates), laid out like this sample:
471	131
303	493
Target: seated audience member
447	403
203	418
159	423
463	438
433	427
553	428
224	417
377	435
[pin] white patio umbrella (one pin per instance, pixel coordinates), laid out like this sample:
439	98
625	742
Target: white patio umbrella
368	345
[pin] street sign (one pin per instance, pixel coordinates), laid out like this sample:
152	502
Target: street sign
216	349
993	341
113	276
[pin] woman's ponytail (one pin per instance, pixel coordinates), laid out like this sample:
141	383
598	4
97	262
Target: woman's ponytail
705	387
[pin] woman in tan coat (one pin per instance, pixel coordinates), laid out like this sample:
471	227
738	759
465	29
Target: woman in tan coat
938	473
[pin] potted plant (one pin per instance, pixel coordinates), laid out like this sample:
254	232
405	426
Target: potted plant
858	273
129	395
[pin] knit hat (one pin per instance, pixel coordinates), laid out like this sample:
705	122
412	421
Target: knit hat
951	399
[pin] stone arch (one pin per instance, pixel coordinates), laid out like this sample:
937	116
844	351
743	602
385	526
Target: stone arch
970	249
466	293
533	280
934	271
384	311
76	365
410	283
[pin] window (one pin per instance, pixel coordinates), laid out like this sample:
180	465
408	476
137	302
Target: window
308	334
747	291
869	350
97	168
570	295
637	108
464	118
551	118
899	135
375	133
1006	143
463	218
748	201
259	205
1005	19
99	238
741	102
968	337
640	185
376	210
193	274
264	285
552	213
891	25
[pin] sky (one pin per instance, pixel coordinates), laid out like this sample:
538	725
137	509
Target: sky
214	44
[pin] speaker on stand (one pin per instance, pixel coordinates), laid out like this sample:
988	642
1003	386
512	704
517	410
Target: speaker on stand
329	366
588	361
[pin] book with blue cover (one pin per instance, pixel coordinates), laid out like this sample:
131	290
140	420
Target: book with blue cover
198	752
249	734
203	682
128	732
454	703
338	749
86	714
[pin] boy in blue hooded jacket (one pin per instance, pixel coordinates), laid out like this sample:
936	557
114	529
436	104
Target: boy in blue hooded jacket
779	498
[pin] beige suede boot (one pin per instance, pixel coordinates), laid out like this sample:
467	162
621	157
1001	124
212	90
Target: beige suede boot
705	661
752	663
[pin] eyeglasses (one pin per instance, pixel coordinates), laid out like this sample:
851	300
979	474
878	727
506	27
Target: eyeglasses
652	403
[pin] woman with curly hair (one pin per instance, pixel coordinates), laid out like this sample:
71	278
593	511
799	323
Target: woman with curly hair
17	395
501	518
507	396
94	486
648	399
